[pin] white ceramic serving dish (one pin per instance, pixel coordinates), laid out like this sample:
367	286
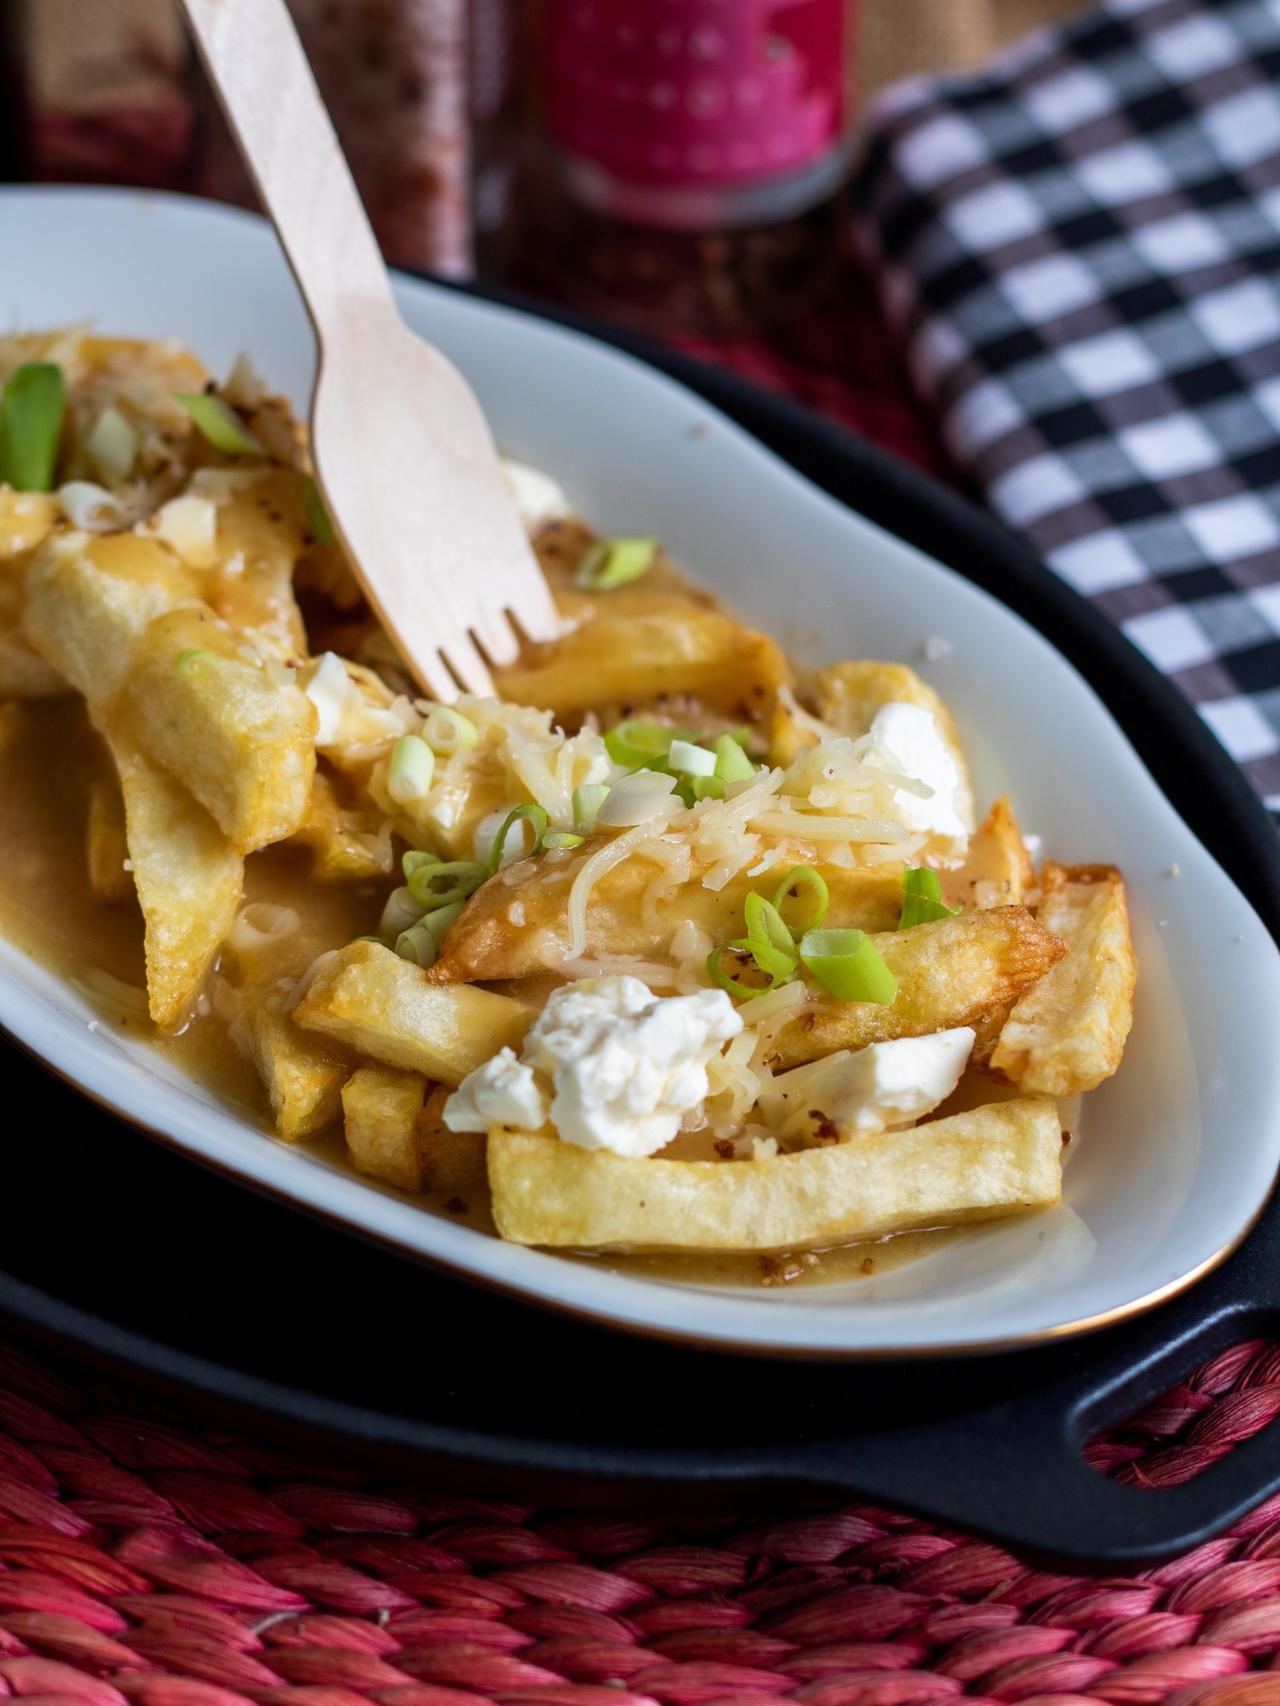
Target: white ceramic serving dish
1179	1150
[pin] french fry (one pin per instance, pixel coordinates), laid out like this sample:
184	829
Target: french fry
346	845
1067	1033
848	695
242	743
89	600
380	1110
453	1162
187	874
949	973
303	1078
107	847
376	1004
997	869
26	519
486	943
262	532
642	659
995	1160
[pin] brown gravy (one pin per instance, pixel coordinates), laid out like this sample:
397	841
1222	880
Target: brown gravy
48	758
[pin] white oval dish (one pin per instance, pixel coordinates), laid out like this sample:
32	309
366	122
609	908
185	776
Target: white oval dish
1181	1147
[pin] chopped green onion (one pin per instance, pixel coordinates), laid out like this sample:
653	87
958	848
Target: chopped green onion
639	744
219	423
611	563
112	445
717	974
461	877
732	763
804	876
697	788
587	800
316	515
400	913
848	965
690	760
31	415
771	943
417	944
440	920
447	731
922	898
188	658
531	814
412	766
415	859
560	840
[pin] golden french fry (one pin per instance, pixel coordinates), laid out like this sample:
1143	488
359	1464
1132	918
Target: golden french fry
949	973
994	1160
848	695
453	1162
303	1078
262	532
488	944
1068	1033
380	1110
241	742
997	869
379	1005
187	874
107	847
89	600
346	844
635	660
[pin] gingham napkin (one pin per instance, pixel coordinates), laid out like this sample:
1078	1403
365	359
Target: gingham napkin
1080	246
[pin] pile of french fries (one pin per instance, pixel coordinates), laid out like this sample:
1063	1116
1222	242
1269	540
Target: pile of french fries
180	577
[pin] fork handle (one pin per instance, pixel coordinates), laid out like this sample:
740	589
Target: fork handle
257	66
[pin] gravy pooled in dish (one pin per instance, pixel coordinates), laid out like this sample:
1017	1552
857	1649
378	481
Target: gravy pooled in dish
673	949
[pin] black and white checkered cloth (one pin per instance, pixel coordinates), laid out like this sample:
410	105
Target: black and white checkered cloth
1080	246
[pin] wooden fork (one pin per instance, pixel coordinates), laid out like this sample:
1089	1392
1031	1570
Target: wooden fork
403	455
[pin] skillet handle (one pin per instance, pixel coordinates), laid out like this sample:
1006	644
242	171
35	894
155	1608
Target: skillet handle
1015	1470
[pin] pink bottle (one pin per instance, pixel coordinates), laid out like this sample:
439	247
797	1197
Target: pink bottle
698	115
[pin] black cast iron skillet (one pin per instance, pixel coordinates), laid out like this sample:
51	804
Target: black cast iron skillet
235	1308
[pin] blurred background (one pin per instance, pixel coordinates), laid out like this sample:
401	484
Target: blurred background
673	163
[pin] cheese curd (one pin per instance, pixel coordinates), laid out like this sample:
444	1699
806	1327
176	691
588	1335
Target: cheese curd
873	1088
624	1066
911	736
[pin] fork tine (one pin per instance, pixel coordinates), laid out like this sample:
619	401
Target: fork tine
468	666
534	609
494	631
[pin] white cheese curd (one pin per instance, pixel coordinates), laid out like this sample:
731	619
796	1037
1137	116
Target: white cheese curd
537	497
624	1066
329	690
911	736
189	526
503	1091
872	1088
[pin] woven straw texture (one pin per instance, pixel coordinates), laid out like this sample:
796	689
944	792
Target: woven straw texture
141	1562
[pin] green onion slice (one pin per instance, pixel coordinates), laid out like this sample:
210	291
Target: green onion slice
412	767
587	800
804	876
639	744
219	423
732	763
316	515
414	859
31	415
848	965
438	922
922	898
447	731
418	944
771	943
560	840
716	972
460	879
535	815
695	788
188	658
690	759
611	563
112	445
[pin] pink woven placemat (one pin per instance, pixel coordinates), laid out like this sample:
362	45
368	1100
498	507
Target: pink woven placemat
142	1562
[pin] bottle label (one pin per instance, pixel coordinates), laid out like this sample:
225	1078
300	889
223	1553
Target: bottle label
697	92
